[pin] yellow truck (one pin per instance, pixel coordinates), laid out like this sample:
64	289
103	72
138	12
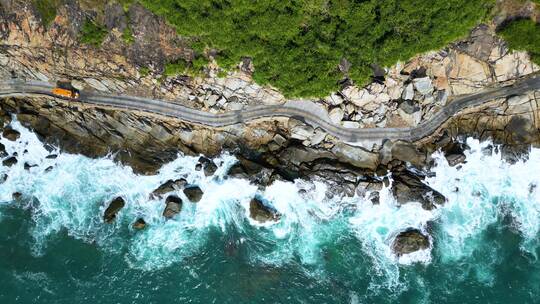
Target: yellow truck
65	90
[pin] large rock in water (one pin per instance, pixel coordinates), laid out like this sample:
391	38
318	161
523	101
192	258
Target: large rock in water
194	194
409	241
262	213
173	206
114	207
408	187
139	224
8	162
11	134
169	186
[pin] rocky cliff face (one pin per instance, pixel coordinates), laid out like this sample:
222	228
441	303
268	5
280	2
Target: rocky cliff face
404	95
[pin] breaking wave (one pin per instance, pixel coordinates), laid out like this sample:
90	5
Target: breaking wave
69	194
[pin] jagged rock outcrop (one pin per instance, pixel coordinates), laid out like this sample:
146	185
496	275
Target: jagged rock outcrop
407	187
408	94
169	186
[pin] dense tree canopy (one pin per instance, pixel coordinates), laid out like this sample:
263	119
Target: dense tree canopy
297	45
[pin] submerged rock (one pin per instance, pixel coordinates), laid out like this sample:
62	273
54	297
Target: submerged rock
139	224
169	186
16	196
11	134
408	187
8	162
409	241
114	207
193	193
262	213
173	206
28	166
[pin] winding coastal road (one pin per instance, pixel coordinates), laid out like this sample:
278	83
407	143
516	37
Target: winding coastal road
309	112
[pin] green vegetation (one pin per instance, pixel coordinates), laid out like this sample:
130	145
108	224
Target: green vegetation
144	71
297	45
127	35
176	68
47	10
183	67
523	35
221	74
125	4
93	33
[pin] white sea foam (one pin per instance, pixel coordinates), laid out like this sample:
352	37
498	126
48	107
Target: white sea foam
73	195
376	226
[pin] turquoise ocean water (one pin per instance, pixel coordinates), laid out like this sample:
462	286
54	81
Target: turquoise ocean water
55	247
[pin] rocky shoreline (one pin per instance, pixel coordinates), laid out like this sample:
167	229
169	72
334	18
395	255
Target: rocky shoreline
281	149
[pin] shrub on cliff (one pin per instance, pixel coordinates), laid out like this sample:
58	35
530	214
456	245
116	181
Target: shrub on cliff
93	33
46	10
297	45
523	35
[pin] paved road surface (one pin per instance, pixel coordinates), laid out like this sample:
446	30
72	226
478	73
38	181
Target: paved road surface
309	112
